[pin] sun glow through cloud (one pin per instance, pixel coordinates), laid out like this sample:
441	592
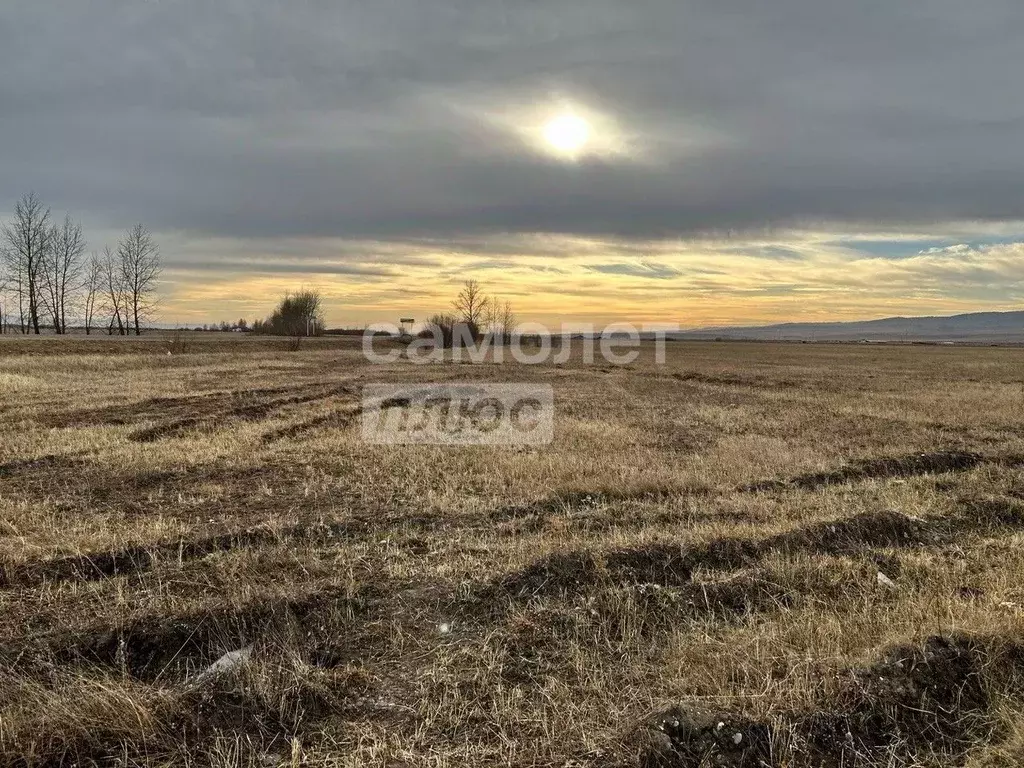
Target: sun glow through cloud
561	127
567	134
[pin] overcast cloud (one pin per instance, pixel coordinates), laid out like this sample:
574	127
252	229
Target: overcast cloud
406	121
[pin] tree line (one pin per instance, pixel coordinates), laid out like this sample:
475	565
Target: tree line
47	278
472	313
47	281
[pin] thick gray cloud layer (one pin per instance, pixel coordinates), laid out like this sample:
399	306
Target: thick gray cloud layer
253	118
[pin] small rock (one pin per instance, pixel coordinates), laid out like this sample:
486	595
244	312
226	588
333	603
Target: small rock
228	662
885	581
737	738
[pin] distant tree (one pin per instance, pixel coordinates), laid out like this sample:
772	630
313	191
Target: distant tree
14	282
471	306
242	325
61	271
27	241
92	285
3	304
115	300
441	327
501	320
140	271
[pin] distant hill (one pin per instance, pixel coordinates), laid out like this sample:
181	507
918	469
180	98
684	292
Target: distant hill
978	327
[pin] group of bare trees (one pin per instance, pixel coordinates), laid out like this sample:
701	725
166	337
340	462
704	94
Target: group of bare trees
47	279
479	314
299	314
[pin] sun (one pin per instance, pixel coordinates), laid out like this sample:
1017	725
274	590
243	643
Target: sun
567	134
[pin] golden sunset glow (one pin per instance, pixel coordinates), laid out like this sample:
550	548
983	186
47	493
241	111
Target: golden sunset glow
808	276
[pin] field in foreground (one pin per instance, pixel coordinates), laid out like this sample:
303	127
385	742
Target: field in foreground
752	555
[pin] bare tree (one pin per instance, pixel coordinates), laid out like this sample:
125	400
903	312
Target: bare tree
4	287
471	305
14	280
490	319
92	284
508	321
140	271
27	239
500	319
112	284
61	271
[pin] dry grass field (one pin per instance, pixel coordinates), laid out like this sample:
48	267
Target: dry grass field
753	555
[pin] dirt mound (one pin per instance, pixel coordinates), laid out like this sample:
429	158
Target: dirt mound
579	500
560	572
539	642
917	700
994	513
931	697
695	739
735	380
853	535
122	562
664	609
590	509
673	565
664	565
152	648
880	468
667	565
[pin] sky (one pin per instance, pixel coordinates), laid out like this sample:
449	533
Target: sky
698	162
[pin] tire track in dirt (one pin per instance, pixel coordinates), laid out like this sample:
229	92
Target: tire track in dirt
251	412
245	403
338	419
48	462
158	407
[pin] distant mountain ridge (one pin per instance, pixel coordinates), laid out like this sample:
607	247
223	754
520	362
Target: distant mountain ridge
994	327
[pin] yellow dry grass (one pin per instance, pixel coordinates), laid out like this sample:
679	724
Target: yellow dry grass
700	545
